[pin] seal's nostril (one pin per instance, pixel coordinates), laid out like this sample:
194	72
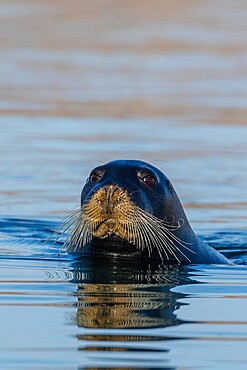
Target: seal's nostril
108	204
114	190
112	198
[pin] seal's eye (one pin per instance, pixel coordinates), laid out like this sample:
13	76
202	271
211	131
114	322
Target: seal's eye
149	179
94	177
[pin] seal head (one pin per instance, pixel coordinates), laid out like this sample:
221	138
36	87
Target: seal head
130	209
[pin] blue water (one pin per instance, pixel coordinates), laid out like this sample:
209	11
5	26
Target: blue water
89	82
58	311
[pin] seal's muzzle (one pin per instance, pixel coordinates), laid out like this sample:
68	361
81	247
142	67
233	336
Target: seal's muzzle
109	211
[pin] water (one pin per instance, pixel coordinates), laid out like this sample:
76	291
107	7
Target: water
87	83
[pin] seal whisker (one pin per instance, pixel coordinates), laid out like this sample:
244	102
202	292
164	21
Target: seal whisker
179	241
77	227
62	229
158	222
79	237
138	234
171	246
175	247
149	237
66	225
144	237
160	233
146	228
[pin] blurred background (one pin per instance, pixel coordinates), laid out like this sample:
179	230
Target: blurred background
84	82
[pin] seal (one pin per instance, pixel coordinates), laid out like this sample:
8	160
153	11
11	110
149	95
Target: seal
129	209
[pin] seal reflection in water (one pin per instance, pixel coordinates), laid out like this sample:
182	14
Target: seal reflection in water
129	209
139	295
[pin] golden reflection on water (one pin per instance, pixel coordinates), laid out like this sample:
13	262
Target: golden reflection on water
135	296
118	306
